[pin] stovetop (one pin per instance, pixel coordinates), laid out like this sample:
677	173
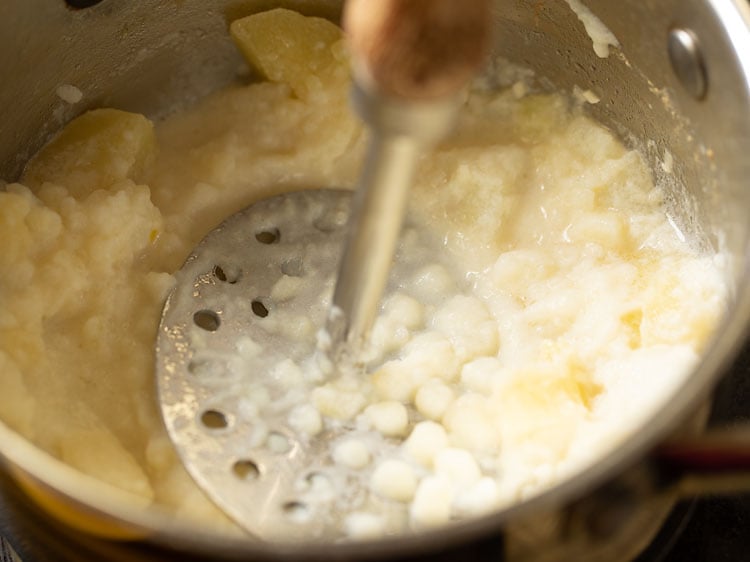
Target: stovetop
704	530
714	529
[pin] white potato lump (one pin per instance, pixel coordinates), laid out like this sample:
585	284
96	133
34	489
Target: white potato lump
585	306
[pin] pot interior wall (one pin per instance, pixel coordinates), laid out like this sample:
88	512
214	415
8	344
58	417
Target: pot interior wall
152	56
148	56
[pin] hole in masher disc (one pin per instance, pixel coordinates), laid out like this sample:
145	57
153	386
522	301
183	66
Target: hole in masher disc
296	511
278	443
207	320
268	236
293	267
214	419
246	469
259	309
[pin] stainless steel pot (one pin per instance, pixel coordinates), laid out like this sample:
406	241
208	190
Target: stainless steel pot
680	81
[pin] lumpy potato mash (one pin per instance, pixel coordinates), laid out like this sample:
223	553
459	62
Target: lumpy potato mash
585	306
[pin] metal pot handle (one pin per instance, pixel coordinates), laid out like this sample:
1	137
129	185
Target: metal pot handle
683	467
717	462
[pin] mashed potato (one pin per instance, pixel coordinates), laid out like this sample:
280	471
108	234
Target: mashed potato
585	306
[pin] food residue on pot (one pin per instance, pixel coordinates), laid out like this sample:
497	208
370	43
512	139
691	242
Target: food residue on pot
69	93
581	306
601	37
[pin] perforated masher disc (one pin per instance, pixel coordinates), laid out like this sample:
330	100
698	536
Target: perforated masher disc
238	355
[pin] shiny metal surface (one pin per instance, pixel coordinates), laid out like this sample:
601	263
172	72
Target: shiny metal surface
239	354
145	56
232	362
406	91
401	131
687	61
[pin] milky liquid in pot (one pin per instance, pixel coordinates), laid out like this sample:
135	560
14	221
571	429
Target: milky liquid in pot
580	307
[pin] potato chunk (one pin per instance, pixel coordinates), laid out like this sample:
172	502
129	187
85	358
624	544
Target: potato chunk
287	47
98	452
94	151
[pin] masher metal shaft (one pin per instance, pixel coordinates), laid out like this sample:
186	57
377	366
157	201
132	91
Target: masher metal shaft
411	58
379	207
401	132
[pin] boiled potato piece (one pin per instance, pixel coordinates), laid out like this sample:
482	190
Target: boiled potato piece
16	402
97	452
94	151
284	46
